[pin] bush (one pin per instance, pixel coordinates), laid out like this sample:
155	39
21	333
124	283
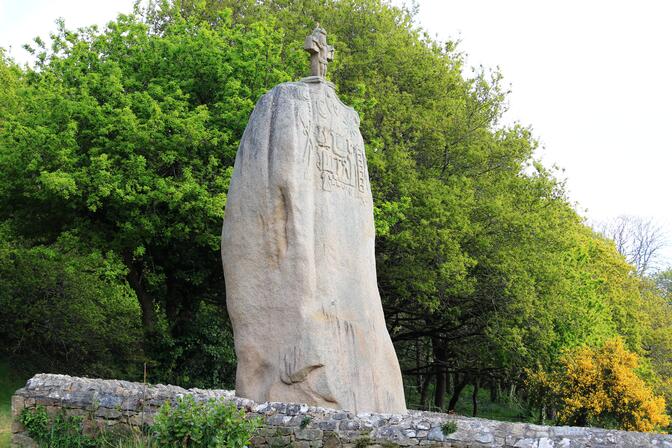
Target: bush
600	387
448	428
66	309
63	432
213	424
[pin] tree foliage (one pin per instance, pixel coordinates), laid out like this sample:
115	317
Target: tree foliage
66	308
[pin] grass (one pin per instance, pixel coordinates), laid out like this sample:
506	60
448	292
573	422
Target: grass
9	382
503	410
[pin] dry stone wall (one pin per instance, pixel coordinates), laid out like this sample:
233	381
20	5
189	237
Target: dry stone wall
121	405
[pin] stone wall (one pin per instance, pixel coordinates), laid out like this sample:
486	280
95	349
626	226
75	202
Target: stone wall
122	405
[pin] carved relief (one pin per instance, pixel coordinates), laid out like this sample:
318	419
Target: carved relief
339	157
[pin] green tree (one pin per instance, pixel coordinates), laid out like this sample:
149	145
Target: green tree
64	308
663	281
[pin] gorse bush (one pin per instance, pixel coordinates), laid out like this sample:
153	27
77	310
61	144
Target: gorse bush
212	424
600	387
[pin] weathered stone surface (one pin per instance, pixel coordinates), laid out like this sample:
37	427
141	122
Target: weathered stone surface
298	253
308	434
320	52
382	430
23	441
18	403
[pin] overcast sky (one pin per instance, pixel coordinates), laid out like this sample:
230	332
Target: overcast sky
592	77
594	80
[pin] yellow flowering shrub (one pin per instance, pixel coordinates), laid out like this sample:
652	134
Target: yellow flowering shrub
600	387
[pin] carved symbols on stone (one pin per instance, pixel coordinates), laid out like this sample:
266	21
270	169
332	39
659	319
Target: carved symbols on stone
339	156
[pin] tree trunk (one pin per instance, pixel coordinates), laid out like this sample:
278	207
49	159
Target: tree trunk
474	397
459	386
440	354
494	391
418	377
134	278
551	413
424	389
180	307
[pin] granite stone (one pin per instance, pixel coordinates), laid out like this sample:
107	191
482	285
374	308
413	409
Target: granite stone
299	261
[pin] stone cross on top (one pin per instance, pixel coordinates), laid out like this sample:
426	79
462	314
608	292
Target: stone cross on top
320	52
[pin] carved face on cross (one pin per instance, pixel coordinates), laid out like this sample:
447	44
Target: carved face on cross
320	52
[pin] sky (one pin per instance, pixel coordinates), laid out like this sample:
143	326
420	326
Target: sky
593	78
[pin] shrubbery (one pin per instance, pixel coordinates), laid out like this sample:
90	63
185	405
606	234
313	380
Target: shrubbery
211	424
65	308
59	432
201	356
600	387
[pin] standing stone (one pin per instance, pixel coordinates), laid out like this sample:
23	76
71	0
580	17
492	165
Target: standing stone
298	253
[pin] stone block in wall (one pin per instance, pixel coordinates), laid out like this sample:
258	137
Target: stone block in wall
140	419
308	434
316	443
331	440
23	441
18	403
329	425
278	441
93	426
301	444
274	431
436	435
17	427
74	412
108	413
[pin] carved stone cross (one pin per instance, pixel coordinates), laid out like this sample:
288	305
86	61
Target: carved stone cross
320	52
